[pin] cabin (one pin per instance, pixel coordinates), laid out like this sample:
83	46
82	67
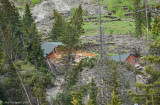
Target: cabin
50	49
56	50
130	58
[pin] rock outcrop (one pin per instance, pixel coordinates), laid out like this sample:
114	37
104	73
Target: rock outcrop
43	12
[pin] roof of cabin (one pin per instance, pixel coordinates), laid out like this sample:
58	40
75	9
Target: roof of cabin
49	46
123	57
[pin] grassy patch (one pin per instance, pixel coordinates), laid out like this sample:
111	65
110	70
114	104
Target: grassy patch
35	2
112	48
116	27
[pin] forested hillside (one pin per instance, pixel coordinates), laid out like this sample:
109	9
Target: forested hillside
84	52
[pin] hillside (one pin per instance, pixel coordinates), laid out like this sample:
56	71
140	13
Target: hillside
79	52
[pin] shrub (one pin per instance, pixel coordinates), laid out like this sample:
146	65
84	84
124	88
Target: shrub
90	62
35	1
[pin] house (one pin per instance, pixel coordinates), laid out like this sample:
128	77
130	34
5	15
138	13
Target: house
130	58
54	50
50	49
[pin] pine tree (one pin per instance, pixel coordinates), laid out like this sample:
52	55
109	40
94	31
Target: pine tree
138	17
28	26
156	27
93	92
113	82
27	17
74	29
10	17
72	33
35	54
77	23
58	26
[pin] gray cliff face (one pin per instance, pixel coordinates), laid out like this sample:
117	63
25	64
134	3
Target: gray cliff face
43	12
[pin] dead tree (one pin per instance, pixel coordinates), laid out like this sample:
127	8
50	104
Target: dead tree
101	55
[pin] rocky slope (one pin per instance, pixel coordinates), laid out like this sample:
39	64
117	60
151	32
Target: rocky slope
43	12
115	43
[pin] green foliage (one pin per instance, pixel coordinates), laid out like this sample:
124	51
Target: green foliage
73	11
35	53
85	12
72	76
120	27
73	29
90	62
155	47
120	13
58	27
138	17
156	28
77	97
27	17
114	79
149	92
66	97
12	28
93	92
63	98
12	82
36	81
144	21
35	1
1	102
114	99
2	93
114	5
89	102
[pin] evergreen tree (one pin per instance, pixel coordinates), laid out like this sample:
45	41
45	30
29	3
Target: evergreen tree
74	29
113	82
35	54
10	17
77	23
28	26
58	26
27	17
93	93
11	84
72	76
156	28
138	17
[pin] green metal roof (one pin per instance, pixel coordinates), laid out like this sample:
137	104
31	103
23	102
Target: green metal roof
49	46
123	57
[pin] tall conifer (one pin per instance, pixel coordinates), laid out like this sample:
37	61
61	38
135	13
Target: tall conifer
27	17
10	17
58	26
138	17
93	93
35	54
